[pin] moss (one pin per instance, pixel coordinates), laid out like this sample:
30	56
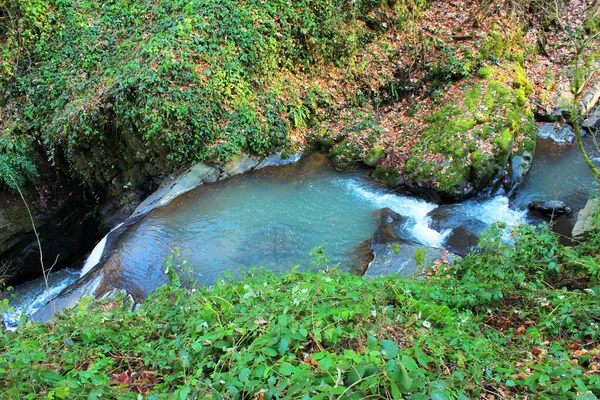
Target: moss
521	98
492	113
346	154
520	80
484	72
374	157
388	175
592	21
419	257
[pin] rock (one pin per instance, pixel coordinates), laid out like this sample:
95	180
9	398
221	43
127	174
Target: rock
393	255
461	241
176	186
121	297
519	166
238	165
589	99
69	298
14	220
276	160
585	219
62	235
551	207
560	134
390	226
364	255
592	121
563	100
406	259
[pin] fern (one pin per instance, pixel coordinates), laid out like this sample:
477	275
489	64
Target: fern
17	163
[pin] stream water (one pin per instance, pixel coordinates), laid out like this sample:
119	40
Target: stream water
273	218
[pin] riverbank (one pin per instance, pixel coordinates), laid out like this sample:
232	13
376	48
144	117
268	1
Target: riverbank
472	330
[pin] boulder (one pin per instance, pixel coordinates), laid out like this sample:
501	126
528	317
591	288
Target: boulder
390	226
519	166
394	255
558	133
592	120
550	207
462	241
406	259
585	219
175	186
238	165
277	160
589	99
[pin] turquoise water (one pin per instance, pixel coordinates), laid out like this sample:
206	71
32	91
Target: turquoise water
272	219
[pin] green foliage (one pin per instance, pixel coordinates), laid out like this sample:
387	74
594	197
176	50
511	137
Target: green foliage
484	72
492	113
420	257
25	25
118	83
331	334
17	163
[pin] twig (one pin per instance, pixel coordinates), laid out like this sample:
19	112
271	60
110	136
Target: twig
37	237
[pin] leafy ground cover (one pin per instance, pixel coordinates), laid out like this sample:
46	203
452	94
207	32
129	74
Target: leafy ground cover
512	320
114	92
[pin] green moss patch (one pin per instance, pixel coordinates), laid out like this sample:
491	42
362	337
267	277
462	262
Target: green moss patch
465	143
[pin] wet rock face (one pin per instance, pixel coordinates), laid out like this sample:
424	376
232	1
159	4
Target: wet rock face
389	226
558	133
461	241
551	207
592	121
394	254
64	239
585	219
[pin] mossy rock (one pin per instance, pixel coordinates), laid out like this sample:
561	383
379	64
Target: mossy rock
388	175
467	143
345	154
374	157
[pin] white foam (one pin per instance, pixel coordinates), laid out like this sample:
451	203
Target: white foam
496	209
487	212
36	299
96	254
415	210
94	257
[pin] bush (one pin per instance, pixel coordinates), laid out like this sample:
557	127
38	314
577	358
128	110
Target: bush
484	72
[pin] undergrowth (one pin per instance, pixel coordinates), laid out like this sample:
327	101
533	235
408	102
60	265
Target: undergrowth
511	320
167	82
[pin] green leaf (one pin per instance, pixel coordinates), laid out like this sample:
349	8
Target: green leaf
184	392
396	394
244	375
371	342
389	349
283	346
287	369
270	352
405	381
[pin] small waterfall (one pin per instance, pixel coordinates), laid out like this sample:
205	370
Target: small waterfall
31	296
414	209
94	257
473	214
96	254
